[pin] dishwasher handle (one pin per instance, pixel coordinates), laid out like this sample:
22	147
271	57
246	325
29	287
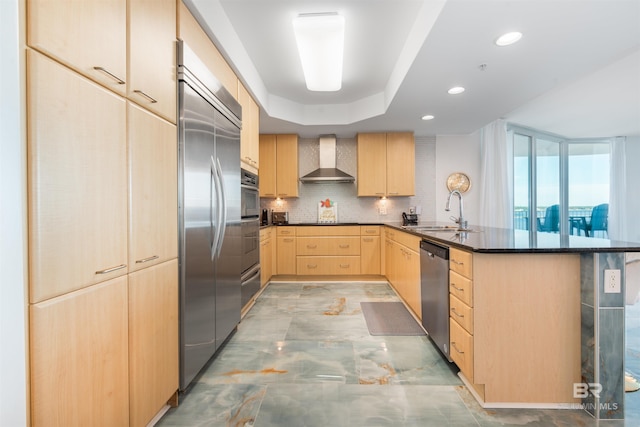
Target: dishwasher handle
434	250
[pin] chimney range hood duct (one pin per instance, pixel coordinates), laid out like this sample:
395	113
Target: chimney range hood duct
327	172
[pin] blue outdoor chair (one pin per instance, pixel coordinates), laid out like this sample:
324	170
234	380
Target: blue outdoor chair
551	222
599	221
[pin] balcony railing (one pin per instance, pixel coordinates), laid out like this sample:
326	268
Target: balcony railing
521	218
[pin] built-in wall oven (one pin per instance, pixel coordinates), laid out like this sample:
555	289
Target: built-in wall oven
250	214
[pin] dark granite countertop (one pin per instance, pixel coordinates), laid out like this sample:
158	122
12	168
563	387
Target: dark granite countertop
502	240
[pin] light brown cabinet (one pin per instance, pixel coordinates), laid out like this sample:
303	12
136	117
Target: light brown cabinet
153	340
370	257
402	258
267	255
152	55
328	250
87	36
461	312
79	357
153	233
286	250
250	132
386	164
278	165
77	163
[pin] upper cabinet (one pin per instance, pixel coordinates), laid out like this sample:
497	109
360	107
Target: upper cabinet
88	36
386	164
77	161
91	38
249	134
199	42
152	56
279	165
153	187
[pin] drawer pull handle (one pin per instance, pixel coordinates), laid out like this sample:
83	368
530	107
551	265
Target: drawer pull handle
457	262
367	239
144	95
109	270
312	265
288	240
151	258
344	246
453	285
285	232
370	231
453	344
113	76
453	309
344	265
312	246
269	194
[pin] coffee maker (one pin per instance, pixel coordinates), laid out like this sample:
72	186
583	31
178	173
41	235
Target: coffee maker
264	218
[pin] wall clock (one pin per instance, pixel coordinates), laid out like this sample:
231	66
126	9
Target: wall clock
458	181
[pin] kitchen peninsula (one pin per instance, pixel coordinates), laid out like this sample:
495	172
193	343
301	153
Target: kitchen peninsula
534	305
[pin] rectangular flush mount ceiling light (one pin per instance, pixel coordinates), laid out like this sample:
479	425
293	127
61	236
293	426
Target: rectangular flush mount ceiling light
320	39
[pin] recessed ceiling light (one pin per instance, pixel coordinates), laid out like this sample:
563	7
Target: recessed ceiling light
428	117
456	90
509	38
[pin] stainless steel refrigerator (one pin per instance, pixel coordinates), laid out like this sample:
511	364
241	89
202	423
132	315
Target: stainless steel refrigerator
209	214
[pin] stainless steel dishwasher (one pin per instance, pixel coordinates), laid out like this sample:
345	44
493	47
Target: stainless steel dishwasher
434	287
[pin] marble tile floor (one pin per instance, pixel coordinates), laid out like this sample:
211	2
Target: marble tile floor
303	356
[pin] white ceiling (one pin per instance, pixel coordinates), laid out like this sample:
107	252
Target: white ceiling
576	71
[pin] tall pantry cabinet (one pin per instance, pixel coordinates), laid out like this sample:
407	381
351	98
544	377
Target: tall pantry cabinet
102	194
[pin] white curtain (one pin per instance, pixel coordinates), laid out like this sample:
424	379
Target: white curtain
496	176
617	227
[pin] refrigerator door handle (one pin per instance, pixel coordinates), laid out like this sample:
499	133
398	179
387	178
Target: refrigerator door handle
213	231
222	207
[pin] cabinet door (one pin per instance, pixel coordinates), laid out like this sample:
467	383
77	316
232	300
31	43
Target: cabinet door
153	340
372	164
77	165
412	281
287	166
286	253
152	56
370	254
267	171
400	164
79	358
88	36
249	145
153	217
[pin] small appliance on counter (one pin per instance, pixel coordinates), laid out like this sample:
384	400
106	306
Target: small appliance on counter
409	218
280	218
264	217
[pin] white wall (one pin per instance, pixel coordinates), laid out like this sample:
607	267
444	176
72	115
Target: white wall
13	312
458	153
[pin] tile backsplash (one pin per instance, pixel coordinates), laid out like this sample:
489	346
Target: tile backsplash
350	207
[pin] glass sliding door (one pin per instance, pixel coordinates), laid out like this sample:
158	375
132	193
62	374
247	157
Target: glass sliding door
560	186
588	192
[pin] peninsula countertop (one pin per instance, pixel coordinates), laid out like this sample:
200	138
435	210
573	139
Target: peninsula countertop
502	240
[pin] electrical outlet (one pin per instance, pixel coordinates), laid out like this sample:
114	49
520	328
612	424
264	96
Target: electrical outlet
382	210
612	281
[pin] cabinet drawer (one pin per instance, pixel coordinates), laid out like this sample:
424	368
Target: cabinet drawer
328	265
265	234
370	230
328	246
461	350
329	230
461	262
285	231
461	313
406	239
461	287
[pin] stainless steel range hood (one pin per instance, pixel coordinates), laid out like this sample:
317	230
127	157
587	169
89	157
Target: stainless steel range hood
327	172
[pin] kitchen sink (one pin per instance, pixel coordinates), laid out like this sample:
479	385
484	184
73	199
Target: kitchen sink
432	228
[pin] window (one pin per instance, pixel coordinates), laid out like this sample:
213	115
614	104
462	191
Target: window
560	185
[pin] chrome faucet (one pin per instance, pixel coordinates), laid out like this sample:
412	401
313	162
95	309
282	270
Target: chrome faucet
462	224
